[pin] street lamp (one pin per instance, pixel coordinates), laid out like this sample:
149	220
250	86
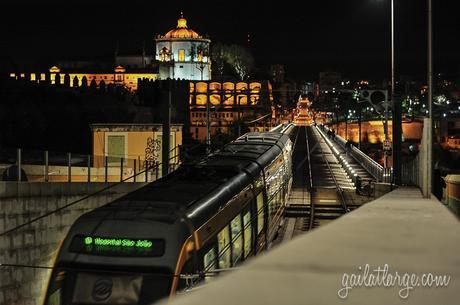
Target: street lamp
427	162
426	187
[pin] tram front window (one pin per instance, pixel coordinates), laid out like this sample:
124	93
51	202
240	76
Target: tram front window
69	287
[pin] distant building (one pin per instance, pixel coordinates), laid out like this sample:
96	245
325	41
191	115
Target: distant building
119	76
180	54
135	143
183	53
248	104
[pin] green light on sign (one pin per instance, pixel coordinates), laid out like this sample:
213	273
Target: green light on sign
118	242
117	246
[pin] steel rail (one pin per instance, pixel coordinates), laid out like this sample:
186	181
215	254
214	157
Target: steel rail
310	184
338	188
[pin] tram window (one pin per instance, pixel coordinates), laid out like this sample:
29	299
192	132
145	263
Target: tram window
55	298
260	212
247	233
209	260
237	239
223	242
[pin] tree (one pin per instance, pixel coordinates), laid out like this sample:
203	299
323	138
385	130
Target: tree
67	80
84	83
93	85
57	79
241	60
110	89
102	86
220	57
75	82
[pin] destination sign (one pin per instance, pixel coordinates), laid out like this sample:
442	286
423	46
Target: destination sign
113	246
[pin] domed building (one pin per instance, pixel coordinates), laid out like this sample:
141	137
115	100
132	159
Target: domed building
183	53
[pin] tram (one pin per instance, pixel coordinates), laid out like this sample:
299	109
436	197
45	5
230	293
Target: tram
191	224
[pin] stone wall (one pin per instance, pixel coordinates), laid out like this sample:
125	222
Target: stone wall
37	244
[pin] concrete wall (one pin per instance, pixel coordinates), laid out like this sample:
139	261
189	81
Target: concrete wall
452	193
37	244
136	143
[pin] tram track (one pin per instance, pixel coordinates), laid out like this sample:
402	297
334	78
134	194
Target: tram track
320	184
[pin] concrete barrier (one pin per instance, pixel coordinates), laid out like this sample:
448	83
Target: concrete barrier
37	244
452	193
408	233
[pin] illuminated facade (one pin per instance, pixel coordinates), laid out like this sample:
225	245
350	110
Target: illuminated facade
231	104
140	142
180	54
183	53
119	76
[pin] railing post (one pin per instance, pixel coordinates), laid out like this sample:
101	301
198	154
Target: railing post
121	169
89	168
19	161
106	164
157	167
46	166
146	170
69	167
135	170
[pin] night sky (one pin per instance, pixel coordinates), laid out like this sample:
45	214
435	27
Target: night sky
349	36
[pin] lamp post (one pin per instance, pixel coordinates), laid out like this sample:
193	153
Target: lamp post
429	122
397	115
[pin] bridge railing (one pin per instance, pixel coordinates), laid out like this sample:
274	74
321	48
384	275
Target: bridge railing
410	172
51	166
377	171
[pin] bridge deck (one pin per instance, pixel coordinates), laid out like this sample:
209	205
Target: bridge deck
401	229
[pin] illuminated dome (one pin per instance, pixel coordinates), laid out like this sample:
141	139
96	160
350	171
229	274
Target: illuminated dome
182	31
183	53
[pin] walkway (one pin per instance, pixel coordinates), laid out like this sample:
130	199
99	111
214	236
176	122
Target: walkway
401	229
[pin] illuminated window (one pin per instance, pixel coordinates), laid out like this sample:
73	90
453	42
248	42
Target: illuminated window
255	87
242	99
42	76
223	243
214	86
240	87
254	99
209	260
229	86
237	239
32	77
201	99
12	75
228	100
260	213
181	55
215	99
247	234
201	87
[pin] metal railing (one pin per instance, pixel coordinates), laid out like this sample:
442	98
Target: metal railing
377	171
47	166
410	172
